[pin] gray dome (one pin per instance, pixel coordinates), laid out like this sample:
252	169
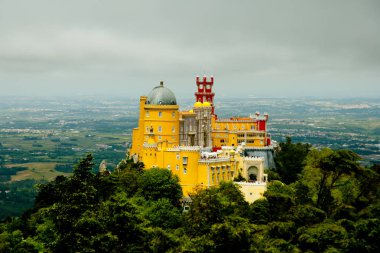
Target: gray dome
161	95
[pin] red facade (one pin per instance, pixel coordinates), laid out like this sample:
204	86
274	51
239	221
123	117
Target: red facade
204	92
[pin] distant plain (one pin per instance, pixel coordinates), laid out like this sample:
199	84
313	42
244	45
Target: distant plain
41	134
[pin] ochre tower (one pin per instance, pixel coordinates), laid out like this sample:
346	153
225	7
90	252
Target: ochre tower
204	93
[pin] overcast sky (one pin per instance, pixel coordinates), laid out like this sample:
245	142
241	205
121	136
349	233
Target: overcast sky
253	48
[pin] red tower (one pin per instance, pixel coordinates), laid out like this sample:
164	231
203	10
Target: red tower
204	92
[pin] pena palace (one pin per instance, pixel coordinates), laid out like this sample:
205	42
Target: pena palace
197	146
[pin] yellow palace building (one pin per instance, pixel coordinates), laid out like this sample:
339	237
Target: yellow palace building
196	145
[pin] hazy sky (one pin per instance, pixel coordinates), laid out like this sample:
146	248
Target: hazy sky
253	48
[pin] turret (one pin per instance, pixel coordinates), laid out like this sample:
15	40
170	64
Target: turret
204	92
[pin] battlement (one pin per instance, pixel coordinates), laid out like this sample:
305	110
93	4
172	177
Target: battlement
270	147
205	81
149	145
214	160
190	148
173	149
254	158
227	147
245	120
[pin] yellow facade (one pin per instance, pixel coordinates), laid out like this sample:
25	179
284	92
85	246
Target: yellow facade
235	131
162	130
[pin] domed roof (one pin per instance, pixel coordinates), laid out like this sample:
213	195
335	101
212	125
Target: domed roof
206	104
198	104
161	95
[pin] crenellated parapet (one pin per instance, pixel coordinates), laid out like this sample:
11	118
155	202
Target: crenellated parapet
270	147
253	158
149	145
214	160
190	148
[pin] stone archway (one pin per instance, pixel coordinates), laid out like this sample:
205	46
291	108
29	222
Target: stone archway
253	173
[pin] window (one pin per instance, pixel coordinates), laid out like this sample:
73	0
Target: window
184	171
173	114
168	166
159	129
177	167
159	114
147	113
184	160
160	137
177	156
147	129
173	129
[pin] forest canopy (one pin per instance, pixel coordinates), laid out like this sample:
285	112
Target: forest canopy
317	201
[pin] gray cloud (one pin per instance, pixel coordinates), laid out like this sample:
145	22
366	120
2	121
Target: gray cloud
264	48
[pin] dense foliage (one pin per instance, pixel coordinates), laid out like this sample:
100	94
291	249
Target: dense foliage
289	160
332	205
17	196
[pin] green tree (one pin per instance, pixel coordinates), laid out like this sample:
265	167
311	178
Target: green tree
259	212
280	199
289	160
367	234
83	171
159	183
213	205
233	235
234	201
323	236
368	181
326	171
162	213
206	209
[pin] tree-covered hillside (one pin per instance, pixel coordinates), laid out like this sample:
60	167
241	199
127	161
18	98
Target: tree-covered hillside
329	204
